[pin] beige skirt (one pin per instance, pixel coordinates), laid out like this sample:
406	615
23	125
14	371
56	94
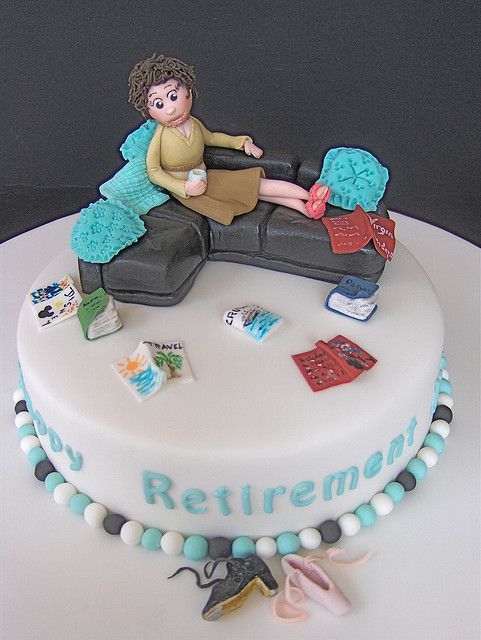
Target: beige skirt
228	194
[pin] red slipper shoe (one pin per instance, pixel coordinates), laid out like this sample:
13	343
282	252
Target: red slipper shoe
319	195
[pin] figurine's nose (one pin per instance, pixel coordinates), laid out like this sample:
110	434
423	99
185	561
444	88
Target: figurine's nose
170	110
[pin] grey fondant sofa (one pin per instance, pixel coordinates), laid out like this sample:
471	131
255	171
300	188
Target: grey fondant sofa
161	267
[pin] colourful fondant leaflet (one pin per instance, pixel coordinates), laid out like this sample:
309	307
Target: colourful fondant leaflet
253	320
152	365
54	302
336	362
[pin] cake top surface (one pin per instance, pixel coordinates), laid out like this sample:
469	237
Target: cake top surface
247	396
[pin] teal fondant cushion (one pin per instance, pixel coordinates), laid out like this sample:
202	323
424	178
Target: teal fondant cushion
103	229
137	142
355	177
131	185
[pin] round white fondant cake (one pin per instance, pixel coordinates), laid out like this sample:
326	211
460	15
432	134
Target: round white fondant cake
246	448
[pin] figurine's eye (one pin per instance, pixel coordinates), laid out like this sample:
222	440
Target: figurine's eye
172	95
158	104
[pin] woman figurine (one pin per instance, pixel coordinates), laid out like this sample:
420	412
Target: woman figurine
163	88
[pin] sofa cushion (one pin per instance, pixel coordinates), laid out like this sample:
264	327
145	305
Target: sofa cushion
245	233
175	245
279	166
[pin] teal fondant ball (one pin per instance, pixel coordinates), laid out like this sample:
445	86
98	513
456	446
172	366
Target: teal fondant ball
242	547
195	547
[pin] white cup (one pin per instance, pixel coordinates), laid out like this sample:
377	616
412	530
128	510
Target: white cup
197	174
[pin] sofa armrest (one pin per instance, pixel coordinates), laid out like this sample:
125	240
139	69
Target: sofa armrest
279	166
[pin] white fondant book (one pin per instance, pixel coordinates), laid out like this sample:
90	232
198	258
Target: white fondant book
106	322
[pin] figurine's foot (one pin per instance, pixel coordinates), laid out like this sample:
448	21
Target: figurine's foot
316	205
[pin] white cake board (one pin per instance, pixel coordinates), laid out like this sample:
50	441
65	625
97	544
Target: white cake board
61	580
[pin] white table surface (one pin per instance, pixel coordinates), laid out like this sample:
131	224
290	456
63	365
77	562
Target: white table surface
62	580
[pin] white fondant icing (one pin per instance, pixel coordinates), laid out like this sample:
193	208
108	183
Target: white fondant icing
382	504
446	399
266	547
18	395
27	443
441	427
349	523
250	419
23	418
428	455
95	514
131	532
63	493
172	543
310	538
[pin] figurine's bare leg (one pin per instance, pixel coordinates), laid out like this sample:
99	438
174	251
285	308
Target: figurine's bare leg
291	203
282	189
284	193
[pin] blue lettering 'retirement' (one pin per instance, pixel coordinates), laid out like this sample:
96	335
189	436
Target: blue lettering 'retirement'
269	497
56	443
340	476
75	458
300	494
160	488
246	500
395	448
192	497
412	426
373	465
222	493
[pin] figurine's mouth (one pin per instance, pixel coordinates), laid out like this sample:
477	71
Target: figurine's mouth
178	120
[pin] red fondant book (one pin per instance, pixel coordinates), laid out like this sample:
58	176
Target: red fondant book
336	362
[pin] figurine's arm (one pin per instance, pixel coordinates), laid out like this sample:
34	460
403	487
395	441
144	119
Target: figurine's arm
216	139
155	172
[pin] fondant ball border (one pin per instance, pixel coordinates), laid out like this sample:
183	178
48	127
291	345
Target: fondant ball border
197	547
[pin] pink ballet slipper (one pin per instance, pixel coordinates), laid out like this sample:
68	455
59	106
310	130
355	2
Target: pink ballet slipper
313	581
319	196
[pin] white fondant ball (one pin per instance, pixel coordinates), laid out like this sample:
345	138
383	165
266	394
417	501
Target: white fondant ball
441	427
95	514
172	543
29	442
266	547
428	455
446	399
131	532
445	374
18	395
23	418
349	523
63	493
310	538
382	504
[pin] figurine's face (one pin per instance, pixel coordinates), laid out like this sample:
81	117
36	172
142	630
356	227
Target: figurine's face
169	102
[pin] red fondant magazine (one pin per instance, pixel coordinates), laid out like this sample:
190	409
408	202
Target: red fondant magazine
336	362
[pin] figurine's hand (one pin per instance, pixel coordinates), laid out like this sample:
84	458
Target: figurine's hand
252	150
195	187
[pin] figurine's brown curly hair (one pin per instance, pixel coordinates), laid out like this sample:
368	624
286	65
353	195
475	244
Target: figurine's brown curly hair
155	70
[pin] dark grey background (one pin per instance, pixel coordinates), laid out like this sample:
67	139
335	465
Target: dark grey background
401	79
